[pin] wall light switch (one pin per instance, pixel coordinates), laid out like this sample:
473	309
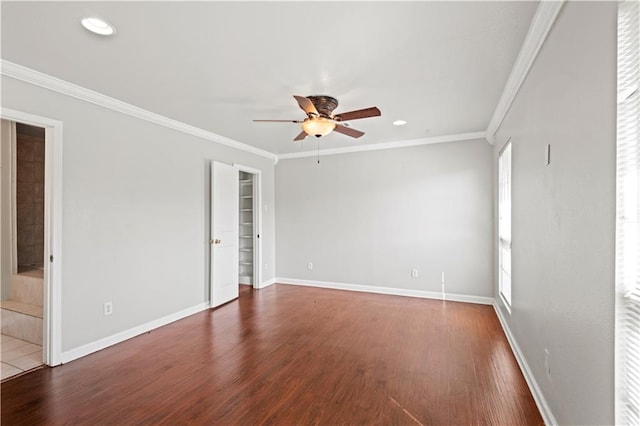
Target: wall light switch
547	365
547	155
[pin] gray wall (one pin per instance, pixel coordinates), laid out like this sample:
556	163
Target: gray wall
564	213
367	218
5	211
135	214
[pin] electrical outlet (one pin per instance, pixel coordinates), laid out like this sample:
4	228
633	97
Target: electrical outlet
108	308
266	266
414	273
547	366
310	265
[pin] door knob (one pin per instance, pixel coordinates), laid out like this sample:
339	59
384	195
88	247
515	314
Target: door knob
217	241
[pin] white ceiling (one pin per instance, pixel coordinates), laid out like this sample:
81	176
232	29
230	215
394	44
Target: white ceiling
441	66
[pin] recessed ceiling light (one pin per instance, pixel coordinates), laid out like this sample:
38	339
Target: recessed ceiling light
98	26
399	123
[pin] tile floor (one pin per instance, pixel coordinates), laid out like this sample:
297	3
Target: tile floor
21	325
17	356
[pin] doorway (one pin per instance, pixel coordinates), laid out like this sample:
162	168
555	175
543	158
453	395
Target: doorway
30	223
21	307
246	229
249	244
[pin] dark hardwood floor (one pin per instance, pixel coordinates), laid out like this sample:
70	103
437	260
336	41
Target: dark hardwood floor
292	355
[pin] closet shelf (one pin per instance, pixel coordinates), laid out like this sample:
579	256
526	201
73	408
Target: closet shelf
246	228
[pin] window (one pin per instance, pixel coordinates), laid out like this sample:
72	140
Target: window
628	217
504	224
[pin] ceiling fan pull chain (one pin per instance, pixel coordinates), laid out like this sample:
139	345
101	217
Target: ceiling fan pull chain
318	140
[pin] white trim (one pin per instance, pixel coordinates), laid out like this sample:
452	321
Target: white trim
541	24
267	283
246	168
538	396
387	145
257	218
389	290
37	78
501	225
52	303
98	345
506	305
13	202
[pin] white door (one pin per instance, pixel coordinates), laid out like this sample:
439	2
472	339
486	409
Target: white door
224	233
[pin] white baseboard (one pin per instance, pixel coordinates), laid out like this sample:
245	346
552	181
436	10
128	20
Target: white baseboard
89	348
389	290
267	283
541	402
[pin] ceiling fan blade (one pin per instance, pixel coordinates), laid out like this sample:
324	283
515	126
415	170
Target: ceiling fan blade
348	131
277	121
361	113
306	105
301	136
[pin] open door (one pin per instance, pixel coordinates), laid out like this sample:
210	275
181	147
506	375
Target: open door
224	233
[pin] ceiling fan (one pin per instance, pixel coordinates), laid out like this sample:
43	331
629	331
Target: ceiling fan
320	119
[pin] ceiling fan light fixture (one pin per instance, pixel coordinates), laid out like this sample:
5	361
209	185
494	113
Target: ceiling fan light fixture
318	126
321	120
98	26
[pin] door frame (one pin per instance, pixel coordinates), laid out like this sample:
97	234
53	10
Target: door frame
52	300
257	222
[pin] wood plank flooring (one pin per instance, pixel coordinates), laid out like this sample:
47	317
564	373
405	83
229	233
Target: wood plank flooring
292	355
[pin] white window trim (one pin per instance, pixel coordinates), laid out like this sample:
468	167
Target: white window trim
505	301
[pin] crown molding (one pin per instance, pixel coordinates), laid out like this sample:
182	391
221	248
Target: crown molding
387	145
37	78
541	24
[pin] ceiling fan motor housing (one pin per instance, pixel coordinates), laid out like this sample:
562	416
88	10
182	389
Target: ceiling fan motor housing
324	104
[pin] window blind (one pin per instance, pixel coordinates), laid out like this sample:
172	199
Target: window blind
628	217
